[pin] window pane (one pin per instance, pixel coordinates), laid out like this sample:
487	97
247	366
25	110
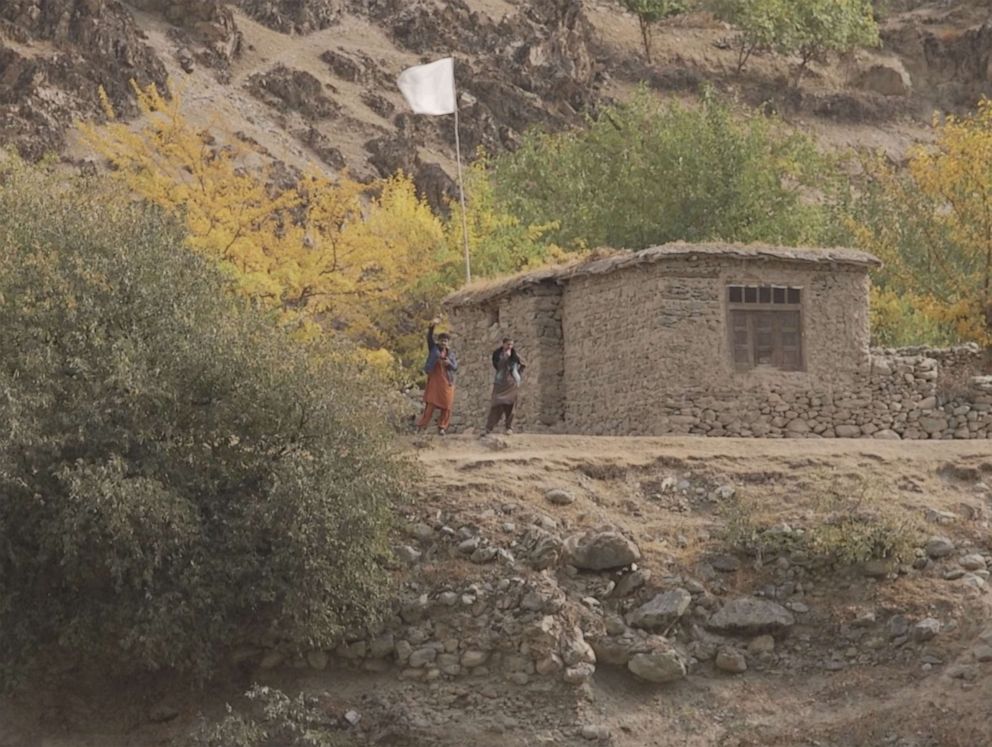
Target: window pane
751	294
778	295
764	294
736	294
793	295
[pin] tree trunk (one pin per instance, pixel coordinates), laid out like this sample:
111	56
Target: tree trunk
645	37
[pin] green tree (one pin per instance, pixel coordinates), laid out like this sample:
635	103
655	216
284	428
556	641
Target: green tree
177	474
808	28
821	26
646	173
650	12
760	24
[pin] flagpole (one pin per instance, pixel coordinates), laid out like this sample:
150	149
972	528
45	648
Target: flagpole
461	194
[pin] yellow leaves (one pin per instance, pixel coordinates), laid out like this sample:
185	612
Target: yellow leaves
327	255
932	226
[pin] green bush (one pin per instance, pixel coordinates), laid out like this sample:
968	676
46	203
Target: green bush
646	173
850	520
177	475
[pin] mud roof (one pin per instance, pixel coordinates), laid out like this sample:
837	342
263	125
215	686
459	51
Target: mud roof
602	262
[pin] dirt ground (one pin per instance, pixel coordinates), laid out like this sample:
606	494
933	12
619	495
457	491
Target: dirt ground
823	687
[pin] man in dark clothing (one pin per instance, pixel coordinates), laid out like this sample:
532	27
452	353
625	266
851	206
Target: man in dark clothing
506	386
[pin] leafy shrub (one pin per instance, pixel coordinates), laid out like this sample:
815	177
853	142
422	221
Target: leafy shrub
176	472
277	721
646	173
853	523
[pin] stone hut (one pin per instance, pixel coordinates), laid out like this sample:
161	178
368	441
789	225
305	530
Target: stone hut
624	343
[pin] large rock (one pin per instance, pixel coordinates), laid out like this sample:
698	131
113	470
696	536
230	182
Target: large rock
660	665
662	611
751	616
600	550
939	547
887	78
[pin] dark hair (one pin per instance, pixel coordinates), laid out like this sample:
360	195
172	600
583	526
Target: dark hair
443	337
507	339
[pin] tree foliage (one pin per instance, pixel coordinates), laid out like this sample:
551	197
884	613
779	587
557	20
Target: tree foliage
932	226
177	474
650	12
325	255
807	29
646	173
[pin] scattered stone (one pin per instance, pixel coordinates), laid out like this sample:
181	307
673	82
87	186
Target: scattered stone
939	547
731	660
972	562
352	718
897	626
763	644
662	611
579	674
407	554
983	653
879	567
631	582
541	548
925	629
469	546
725	563
888	78
422	657
600	550
559	497
751	616
317	660
937	516
473	658
593	733
659	666
162	712
484	555
422	532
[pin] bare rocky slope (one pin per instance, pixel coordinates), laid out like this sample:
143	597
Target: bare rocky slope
312	81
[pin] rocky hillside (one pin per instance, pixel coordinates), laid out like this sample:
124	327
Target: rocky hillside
554	590
312	81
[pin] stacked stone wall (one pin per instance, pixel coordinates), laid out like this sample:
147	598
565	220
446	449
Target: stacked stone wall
645	351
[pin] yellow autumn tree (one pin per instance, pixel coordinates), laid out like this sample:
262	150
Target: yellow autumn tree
932	226
326	255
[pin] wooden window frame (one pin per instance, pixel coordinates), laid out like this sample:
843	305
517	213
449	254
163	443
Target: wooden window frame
749	305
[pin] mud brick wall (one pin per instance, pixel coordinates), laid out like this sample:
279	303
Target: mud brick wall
645	351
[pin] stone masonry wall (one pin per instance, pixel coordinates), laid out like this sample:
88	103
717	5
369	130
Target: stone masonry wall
640	341
644	351
533	320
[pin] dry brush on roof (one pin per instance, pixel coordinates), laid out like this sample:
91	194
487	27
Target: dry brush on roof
602	262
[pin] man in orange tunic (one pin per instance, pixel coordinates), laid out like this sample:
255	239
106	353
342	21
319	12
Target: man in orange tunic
440	392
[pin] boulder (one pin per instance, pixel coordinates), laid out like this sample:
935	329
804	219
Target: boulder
660	666
939	547
972	562
751	616
730	660
662	611
600	550
887	78
559	497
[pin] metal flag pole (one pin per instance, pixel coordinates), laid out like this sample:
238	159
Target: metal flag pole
461	194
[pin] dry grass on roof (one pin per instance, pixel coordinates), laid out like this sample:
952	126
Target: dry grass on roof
603	261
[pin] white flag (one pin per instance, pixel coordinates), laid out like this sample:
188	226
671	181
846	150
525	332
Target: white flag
430	89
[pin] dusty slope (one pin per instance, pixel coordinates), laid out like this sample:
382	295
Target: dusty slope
840	678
